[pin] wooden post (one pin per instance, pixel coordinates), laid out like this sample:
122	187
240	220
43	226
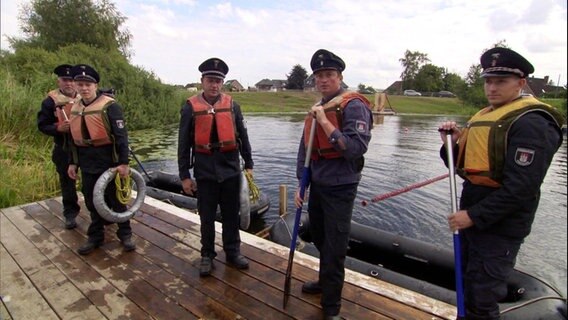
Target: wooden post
283	200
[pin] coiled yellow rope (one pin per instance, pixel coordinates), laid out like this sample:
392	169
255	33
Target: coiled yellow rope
254	192
123	188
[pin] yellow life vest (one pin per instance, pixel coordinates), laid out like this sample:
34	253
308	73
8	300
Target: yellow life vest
97	130
220	115
334	112
483	143
63	104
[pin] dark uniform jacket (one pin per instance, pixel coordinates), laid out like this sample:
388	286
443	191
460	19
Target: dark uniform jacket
345	169
510	209
95	160
47	121
217	166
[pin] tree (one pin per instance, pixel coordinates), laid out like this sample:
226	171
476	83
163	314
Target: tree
429	78
453	82
361	88
411	62
51	24
296	78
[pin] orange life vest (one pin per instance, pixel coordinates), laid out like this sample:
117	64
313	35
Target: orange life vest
63	104
204	115
334	112
97	131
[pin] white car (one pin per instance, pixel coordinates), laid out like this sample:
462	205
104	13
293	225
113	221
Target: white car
411	93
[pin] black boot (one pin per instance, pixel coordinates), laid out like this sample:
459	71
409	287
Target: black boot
206	266
128	244
311	287
238	261
88	247
70	223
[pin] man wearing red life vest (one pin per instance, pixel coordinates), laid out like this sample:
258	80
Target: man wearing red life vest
212	133
53	120
503	154
99	142
343	132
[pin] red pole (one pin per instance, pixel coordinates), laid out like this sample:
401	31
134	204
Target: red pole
405	189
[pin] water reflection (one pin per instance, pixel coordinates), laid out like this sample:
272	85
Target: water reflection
404	150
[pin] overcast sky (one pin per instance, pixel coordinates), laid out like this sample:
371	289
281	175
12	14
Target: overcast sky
265	39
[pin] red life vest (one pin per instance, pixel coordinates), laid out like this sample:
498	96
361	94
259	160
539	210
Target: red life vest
63	104
222	114
334	112
96	122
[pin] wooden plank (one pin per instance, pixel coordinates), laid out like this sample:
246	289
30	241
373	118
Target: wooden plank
150	299
259	282
243	280
353	295
110	301
57	290
20	299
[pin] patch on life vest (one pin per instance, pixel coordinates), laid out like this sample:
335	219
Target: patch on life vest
524	156
361	126
120	124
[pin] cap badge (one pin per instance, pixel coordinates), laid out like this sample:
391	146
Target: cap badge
216	63
495	56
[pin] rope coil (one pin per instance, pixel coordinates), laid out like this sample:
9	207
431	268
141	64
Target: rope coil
123	188
254	192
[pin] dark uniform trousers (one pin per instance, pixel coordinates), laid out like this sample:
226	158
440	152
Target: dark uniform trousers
225	194
488	261
330	209
96	231
71	206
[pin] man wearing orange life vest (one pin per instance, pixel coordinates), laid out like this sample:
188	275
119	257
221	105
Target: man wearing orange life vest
343	132
99	142
503	154
212	133
52	119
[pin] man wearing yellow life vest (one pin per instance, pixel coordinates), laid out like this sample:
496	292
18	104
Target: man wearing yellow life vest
52	119
99	142
503	154
212	133
343	132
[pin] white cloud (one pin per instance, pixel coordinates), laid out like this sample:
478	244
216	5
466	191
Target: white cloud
266	39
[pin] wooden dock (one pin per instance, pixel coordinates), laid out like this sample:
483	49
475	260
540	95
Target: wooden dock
42	276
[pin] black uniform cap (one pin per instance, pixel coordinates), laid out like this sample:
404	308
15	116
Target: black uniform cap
503	62
63	71
214	67
326	60
84	72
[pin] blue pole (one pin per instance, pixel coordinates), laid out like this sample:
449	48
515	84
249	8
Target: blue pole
457	242
303	185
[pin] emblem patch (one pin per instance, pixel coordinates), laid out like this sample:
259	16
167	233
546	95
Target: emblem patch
120	124
361	126
524	157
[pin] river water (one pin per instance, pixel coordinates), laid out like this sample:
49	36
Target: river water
404	150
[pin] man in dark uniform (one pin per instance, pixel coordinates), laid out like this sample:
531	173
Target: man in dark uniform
503	154
52	119
212	133
337	160
96	149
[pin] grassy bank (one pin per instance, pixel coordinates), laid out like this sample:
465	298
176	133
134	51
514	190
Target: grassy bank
25	154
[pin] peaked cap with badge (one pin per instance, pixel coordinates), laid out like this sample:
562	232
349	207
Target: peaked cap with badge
84	72
326	60
214	67
63	71
504	62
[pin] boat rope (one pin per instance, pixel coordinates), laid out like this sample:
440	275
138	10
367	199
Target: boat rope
526	303
405	189
123	188
254	192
